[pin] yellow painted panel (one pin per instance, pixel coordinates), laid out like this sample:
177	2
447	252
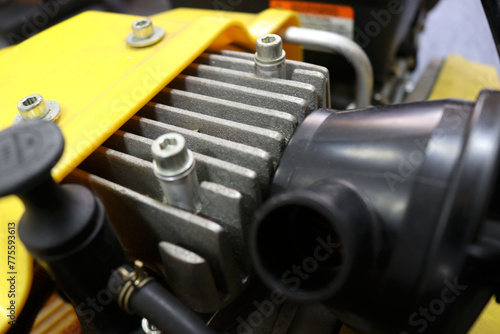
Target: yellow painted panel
489	321
269	21
19	266
463	79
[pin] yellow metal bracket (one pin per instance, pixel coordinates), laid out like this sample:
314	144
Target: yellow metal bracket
463	79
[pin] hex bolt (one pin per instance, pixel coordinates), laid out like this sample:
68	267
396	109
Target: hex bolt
149	328
174	166
35	107
143	28
270	58
144	33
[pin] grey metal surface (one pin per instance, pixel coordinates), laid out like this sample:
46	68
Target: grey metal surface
247	156
295	88
219	171
118	167
265	139
255	97
219	203
279	121
142	222
184	271
241	61
236	124
224	206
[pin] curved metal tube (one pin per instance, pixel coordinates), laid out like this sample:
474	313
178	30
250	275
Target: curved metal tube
335	43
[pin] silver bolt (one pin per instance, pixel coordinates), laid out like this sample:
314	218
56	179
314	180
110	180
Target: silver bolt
171	157
35	107
143	28
149	328
270	57
144	33
270	48
174	166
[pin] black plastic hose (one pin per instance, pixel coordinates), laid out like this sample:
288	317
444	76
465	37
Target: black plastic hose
165	312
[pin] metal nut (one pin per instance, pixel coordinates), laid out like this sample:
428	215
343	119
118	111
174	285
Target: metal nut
35	107
144	33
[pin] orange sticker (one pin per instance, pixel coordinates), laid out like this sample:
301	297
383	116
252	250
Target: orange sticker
315	8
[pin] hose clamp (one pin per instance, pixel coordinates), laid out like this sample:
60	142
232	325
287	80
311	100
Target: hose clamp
135	279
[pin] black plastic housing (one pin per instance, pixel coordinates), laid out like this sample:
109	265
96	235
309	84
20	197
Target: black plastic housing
406	192
67	231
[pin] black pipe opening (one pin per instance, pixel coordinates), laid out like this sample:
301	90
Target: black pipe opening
299	248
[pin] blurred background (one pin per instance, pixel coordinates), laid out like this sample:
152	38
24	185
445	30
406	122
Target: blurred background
24	18
453	26
458	27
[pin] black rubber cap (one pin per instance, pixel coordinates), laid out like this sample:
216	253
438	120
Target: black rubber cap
28	151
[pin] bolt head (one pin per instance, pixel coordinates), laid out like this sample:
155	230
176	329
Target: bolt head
270	48
144	33
32	107
36	107
143	28
171	157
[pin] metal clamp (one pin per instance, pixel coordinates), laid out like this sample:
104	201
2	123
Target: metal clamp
133	280
148	328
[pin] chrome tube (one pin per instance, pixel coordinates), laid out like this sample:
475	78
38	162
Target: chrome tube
334	43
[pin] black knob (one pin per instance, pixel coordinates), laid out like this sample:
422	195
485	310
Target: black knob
64	227
28	151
